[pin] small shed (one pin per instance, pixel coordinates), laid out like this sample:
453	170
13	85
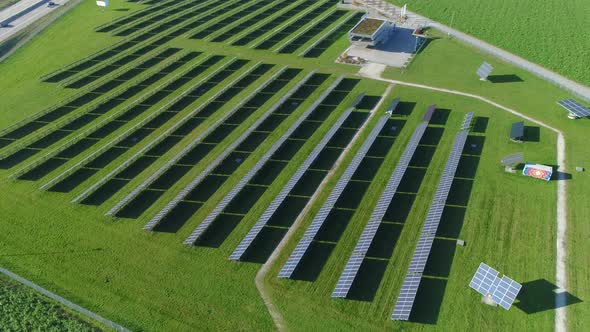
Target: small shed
369	31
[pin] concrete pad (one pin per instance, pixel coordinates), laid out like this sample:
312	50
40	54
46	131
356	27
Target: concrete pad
372	70
381	57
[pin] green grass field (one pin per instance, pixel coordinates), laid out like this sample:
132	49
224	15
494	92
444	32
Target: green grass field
150	281
547	33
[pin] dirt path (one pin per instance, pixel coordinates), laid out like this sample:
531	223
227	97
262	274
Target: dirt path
561	254
561	275
261	275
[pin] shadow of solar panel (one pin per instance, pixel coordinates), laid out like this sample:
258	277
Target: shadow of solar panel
196	154
380	147
104	192
367	169
219	231
412	180
326	158
181	104
55	114
220	133
304	91
24	130
179	215
212	107
17	157
309	182
170	177
288	211
355	120
43	169
231	163
164	146
187	127
352	195
441	258
400	207
48	140
385	240
73	180
368	102
467	167
335	98
252	142
204	190
342	137
367	281
428	301
244	201
432	136
268	172
423	156
451	222
305	130
107	106
138	206
289	106
136	167
272	122
135	137
460	192
80	122
132	113
264	245
313	261
392	128
160	120
440	116
334	225
77	148
474	145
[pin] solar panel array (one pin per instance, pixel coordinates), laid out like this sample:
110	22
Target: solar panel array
513	159
203	226
321	216
197	140
272	208
503	291
186	190
574	107
407	295
358	255
130	160
484	71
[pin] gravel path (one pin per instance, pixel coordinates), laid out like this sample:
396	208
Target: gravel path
561	250
261	275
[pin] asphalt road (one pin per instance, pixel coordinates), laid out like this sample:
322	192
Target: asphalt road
22	14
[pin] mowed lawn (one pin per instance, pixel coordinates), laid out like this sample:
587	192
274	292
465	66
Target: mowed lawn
550	33
152	282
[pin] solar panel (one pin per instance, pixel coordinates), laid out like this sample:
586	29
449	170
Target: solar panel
194	236
575	108
278	200
393	105
130	160
484	279
354	262
322	214
513	159
358	100
198	140
505	292
517	130
429	113
484	71
211	166
420	257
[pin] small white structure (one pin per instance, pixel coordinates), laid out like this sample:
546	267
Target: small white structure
102	3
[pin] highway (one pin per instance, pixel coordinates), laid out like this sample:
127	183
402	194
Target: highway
22	14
